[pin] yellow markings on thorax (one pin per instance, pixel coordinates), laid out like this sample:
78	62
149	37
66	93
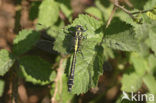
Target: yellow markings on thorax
77	39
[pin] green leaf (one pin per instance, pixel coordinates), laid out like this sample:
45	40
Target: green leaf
1	87
94	11
137	4
36	70
131	83
65	7
24	41
124	41
105	7
150	82
142	35
120	35
142	32
126	18
89	67
140	63
150	4
48	12
6	61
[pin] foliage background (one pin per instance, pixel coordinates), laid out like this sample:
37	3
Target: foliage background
120	56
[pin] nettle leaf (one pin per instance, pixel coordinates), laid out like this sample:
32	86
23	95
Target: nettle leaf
1	87
89	67
140	63
36	70
6	61
131	82
150	82
126	18
119	35
48	12
24	41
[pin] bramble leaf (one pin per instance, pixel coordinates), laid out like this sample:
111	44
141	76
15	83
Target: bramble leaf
120	35
24	41
6	61
48	12
36	70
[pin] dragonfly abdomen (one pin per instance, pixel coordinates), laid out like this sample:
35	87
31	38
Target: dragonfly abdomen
71	77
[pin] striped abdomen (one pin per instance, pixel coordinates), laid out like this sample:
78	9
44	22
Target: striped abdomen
71	76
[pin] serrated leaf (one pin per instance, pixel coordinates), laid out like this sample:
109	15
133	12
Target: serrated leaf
142	32
24	41
142	35
1	87
36	70
6	61
120	35
140	63
124	41
49	12
126	18
150	82
131	83
94	11
88	69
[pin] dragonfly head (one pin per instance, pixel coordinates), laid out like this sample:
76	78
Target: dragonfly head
79	28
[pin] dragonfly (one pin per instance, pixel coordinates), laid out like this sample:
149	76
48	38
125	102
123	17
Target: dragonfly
77	36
